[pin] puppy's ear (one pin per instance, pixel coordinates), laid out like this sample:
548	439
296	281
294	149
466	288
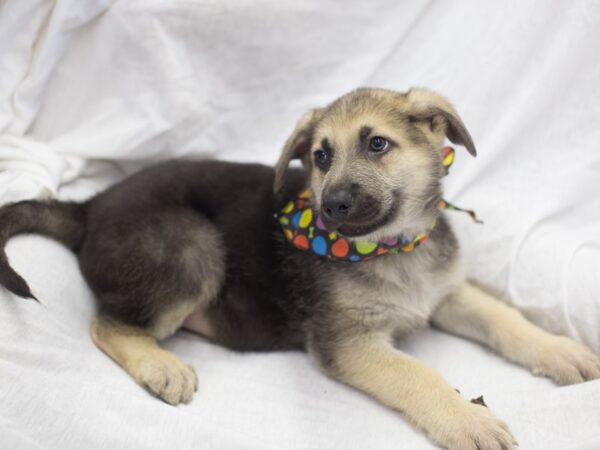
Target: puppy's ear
429	106
296	146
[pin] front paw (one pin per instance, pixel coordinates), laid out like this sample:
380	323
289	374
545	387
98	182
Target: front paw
565	361
474	427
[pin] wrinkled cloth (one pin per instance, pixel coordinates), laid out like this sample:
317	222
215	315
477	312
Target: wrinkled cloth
91	91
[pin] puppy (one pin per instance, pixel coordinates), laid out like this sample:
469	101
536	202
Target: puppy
212	247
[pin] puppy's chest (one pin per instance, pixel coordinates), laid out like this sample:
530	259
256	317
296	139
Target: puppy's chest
408	298
400	295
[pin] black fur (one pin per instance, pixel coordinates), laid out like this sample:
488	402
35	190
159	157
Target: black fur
132	241
129	240
63	221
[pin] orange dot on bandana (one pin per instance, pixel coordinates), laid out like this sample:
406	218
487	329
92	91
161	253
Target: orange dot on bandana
301	242
304	194
288	234
381	251
408	248
340	248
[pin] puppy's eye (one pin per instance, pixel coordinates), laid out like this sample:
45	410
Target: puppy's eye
378	144
322	158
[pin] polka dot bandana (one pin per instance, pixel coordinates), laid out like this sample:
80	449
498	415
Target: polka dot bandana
304	228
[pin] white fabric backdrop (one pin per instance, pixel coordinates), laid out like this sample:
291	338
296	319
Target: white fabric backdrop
92	90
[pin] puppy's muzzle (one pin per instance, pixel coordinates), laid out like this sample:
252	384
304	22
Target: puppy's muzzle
349	210
337	205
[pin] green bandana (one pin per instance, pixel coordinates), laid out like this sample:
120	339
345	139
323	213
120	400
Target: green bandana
304	228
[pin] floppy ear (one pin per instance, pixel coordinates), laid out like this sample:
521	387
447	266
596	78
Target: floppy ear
430	106
296	146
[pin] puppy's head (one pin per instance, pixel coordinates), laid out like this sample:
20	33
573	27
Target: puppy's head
374	160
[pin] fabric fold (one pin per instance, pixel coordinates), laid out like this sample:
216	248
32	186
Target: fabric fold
31	169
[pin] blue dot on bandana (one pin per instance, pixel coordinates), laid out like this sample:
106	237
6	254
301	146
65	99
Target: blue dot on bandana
354	258
319	245
296	219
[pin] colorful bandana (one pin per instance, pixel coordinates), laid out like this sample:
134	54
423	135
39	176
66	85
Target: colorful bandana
304	228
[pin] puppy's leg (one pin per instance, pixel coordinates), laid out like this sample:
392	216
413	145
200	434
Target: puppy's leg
474	314
150	270
134	349
371	364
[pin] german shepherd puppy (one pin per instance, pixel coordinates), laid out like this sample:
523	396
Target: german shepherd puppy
196	245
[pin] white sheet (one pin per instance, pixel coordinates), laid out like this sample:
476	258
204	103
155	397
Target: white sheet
132	82
59	391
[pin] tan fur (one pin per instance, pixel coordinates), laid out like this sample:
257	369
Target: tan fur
443	116
370	363
475	314
198	322
368	314
408	166
396	300
136	351
168	323
387	297
190	313
296	145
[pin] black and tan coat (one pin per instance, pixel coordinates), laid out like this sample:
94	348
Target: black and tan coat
194	244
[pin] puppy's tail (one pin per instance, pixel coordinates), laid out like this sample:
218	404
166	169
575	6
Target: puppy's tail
63	221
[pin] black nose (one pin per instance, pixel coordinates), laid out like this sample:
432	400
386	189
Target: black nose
337	204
